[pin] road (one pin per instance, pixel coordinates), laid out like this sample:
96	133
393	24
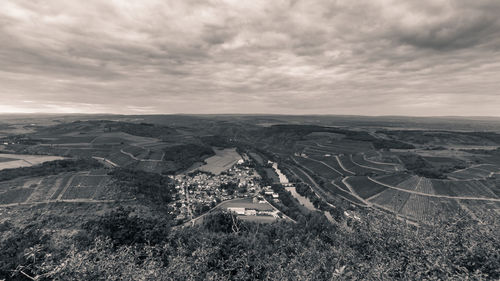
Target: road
366	167
193	220
381	163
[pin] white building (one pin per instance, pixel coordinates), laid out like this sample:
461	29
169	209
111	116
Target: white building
236	210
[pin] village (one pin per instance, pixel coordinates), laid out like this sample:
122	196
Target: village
199	191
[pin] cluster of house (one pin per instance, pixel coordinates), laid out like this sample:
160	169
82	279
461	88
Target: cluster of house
269	192
205	189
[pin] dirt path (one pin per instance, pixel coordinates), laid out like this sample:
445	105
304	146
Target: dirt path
327	165
434	195
342	166
353	193
59	197
138	159
380	163
366	167
106	161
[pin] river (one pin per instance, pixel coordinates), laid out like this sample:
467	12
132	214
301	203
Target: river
284	180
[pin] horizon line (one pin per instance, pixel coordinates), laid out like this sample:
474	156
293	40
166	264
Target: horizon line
244	114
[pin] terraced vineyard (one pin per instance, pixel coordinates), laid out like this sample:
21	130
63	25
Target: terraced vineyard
398	185
364	187
339	191
467	188
393	179
339	147
319	168
347	162
475	172
332	163
388	167
391	199
418	207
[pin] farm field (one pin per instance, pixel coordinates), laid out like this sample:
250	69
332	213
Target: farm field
79	185
25	160
221	161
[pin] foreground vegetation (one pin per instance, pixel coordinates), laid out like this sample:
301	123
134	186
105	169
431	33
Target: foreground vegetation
122	245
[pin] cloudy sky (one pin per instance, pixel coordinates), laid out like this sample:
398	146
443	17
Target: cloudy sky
373	57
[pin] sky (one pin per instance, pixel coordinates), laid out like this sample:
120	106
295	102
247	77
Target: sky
366	57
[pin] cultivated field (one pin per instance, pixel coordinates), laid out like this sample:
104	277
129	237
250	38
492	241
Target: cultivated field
319	168
393	179
221	161
24	160
364	187
66	186
468	188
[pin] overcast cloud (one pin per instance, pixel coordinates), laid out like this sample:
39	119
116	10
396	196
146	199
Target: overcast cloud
234	56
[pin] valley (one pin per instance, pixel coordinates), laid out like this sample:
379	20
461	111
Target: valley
193	172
